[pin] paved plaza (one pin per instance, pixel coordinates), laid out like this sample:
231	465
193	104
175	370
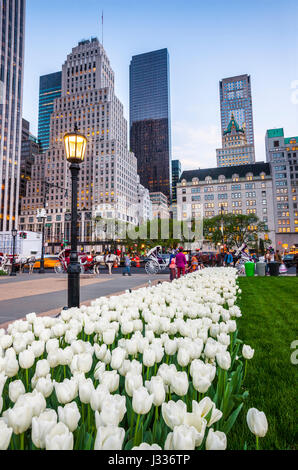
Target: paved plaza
47	294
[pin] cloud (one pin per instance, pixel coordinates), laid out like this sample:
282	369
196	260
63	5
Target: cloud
195	147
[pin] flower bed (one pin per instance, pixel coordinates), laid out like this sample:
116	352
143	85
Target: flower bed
159	368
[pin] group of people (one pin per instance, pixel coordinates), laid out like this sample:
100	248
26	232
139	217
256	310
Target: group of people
179	265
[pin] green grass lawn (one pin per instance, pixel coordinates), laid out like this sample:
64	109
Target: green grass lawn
269	325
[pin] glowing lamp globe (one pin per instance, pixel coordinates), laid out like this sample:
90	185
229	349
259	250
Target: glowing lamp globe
75	147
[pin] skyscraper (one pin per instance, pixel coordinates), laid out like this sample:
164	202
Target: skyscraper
107	180
236	106
12	35
150	120
49	89
176	174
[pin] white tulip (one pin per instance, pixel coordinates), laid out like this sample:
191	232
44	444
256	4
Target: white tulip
179	384
157	389
118	356
170	347
257	422
84	362
19	418
98	397
5	435
224	360
203	408
183	357
174	413
99	370
41	426
42	368
142	401
3	379
15	390
19	345
109	337
69	415
59	438
45	386
182	438
247	352
149	357
66	391
145	446
112	412
132	382
109	438
26	359
38	347
216	440
85	390
6	341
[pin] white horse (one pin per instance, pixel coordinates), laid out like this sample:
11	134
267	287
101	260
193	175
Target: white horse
98	261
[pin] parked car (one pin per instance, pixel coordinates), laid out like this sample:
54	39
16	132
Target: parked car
49	262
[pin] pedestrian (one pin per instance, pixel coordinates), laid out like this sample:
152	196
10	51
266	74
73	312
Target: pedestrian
181	263
267	261
194	263
110	260
229	259
173	269
127	264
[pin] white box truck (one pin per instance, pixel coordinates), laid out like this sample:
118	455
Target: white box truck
27	244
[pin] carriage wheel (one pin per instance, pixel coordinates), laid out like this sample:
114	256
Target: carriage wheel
152	267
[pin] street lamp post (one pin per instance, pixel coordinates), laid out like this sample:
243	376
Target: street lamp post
41	217
75	148
14	235
222	224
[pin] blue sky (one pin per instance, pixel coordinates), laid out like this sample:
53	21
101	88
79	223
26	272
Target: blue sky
207	41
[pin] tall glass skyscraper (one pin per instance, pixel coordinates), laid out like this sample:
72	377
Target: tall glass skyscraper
150	120
12	32
49	89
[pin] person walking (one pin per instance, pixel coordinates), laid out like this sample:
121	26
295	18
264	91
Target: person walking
229	259
267	261
194	263
173	268
127	264
181	263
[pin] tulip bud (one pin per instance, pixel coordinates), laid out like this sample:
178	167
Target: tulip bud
26	359
149	357
41	427
216	440
112	412
118	356
19	418
179	384
183	357
157	389
85	390
182	438
98	397
247	352
5	435
142	401
132	382
70	416
45	386
42	368
109	438
224	360
16	389
59	438
111	380
257	422
109	337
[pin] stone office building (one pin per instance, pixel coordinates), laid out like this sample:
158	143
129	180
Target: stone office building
243	189
109	172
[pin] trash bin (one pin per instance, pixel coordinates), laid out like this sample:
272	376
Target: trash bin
261	269
274	269
250	269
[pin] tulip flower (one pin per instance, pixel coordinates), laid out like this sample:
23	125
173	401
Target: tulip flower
149	357
26	359
118	356
132	382
183	357
19	418
42	368
38	347
109	438
111	380
5	435
45	386
59	438
41	427
109	337
179	384
98	397
66	391
203	408
216	440
112	412
247	352
174	413
142	401
157	389
15	390
257	423
86	388
224	360
69	415
182	438
145	446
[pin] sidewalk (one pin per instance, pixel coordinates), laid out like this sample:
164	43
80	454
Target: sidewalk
47	295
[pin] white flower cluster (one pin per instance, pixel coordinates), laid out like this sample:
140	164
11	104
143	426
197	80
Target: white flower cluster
156	340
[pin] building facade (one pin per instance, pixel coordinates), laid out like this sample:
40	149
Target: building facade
282	154
12	38
109	173
236	103
144	210
243	189
150	120
30	148
49	89
236	150
160	206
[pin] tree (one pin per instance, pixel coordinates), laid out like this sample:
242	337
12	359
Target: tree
238	229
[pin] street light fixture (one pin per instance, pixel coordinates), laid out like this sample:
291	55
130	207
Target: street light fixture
222	224
14	234
41	217
75	149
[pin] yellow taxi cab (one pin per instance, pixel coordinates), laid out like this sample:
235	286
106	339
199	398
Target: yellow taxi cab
49	262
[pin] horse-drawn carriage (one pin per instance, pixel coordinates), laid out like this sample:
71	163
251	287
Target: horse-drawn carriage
86	262
20	262
156	261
